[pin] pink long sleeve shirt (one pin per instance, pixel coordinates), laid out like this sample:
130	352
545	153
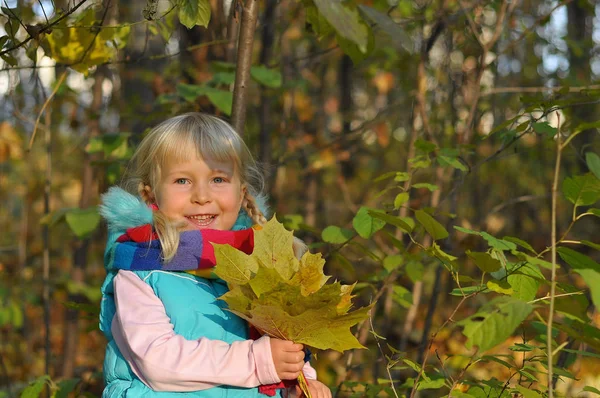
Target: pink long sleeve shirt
166	361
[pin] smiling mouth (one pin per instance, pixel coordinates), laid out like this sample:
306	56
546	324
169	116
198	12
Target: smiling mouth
201	220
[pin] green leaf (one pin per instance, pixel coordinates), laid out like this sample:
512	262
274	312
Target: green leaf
430	187
452	161
34	389
519	242
385	176
501	286
446	259
593	163
583	190
484	261
591	244
65	387
434	228
495	322
400	199
365	223
522	347
499	244
586	267
577	260
525	281
528	393
415	270
591	389
222	99
383	22
401	176
402	296
194	12
545	129
83	221
346	21
336	235
390	263
266	76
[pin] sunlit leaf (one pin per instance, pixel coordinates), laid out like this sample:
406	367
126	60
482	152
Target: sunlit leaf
400	199
494	322
336	235
287	298
582	190
501	286
34	389
194	12
366	224
525	281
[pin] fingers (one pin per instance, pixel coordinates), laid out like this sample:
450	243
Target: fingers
317	390
288	358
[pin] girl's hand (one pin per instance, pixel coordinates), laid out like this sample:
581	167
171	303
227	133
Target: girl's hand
288	358
316	388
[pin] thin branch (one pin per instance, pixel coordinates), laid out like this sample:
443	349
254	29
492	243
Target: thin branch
553	278
46	103
520	199
517	90
387	368
43	10
44	29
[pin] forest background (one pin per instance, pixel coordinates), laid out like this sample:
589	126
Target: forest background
443	154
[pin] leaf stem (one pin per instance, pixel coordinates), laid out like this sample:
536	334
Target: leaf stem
559	149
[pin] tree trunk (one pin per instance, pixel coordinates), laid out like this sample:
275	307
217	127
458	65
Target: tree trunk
242	72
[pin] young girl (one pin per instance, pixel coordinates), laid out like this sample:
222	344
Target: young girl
191	181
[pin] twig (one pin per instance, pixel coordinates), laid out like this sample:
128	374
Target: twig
44	29
506	90
553	278
520	199
46	103
387	368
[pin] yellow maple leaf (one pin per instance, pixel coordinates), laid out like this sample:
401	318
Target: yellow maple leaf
285	297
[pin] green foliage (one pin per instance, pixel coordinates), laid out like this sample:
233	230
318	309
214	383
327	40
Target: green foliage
494	322
82	48
194	12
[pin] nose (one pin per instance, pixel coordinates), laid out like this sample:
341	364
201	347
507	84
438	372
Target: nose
201	194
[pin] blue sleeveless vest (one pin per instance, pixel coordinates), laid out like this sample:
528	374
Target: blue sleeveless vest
190	302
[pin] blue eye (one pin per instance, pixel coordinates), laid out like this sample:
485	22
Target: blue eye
219	180
181	181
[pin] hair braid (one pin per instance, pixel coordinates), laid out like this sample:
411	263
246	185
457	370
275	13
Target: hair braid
252	209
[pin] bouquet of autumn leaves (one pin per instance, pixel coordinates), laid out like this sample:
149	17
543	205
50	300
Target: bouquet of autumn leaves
285	297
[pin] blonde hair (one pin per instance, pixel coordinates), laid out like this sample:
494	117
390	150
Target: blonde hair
179	139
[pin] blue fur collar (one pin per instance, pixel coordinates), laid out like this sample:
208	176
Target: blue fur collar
122	211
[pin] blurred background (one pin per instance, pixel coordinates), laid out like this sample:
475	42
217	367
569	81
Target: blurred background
449	106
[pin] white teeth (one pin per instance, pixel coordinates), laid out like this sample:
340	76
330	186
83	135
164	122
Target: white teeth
202	217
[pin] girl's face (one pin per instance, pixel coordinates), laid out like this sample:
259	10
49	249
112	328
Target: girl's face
203	193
